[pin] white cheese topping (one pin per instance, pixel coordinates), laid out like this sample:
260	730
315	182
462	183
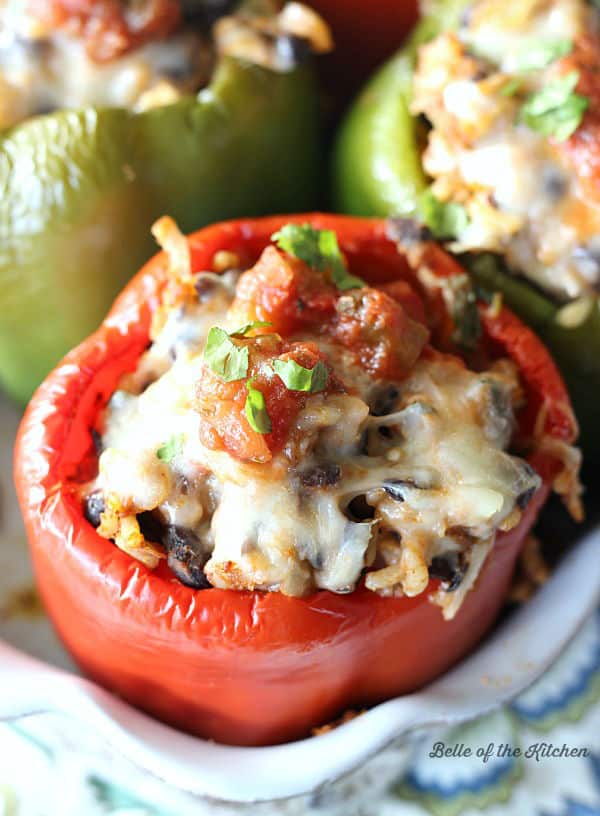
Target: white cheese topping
395	477
522	198
41	71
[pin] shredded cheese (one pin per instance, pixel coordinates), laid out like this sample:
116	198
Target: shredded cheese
389	478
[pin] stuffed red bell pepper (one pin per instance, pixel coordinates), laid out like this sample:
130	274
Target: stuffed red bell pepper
291	473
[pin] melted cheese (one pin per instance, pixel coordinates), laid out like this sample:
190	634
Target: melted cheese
431	475
502	30
522	199
41	71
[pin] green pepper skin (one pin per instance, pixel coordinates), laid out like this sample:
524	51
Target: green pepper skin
377	161
80	190
377	171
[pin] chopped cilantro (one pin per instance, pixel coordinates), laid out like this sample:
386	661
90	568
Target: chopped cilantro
300	240
556	110
319	249
223	357
256	410
171	448
465	312
445	219
247	327
512	87
467	324
538	53
298	378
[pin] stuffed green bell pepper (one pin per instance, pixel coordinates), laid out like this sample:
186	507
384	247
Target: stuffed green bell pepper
115	111
486	130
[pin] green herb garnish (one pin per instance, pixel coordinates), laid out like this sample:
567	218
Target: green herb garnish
445	219
556	110
298	378
537	54
256	410
465	312
319	249
171	448
247	327
468	324
223	357
512	87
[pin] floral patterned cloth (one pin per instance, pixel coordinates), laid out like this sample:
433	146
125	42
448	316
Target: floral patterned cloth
501	765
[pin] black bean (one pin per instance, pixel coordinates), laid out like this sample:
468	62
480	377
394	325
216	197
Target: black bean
32	47
151	527
97	441
292	51
480	73
44	110
93	507
525	497
448	568
206	11
584	252
317	561
325	475
359	510
383	400
465	17
588	260
180	73
364	443
190	573
407	231
500	402
554	183
395	488
186	557
204	286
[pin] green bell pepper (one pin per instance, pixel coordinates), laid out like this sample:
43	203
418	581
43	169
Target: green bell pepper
377	170
80	190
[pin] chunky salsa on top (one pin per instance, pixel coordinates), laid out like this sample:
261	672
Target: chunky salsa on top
292	428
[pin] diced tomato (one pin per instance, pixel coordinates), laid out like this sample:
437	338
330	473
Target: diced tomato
582	150
224	424
376	327
385	327
407	296
286	292
107	28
